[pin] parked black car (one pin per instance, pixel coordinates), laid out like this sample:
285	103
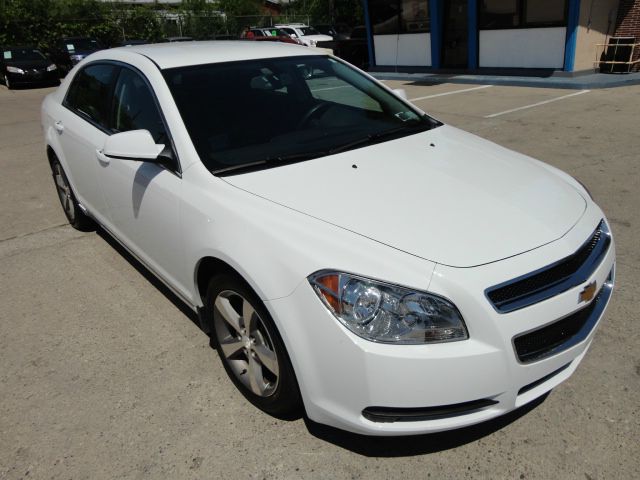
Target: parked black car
340	31
353	49
26	65
70	50
177	39
132	41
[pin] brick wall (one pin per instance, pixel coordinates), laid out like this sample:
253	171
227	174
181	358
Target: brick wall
628	24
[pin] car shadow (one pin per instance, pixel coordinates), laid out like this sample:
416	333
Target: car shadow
145	173
407	446
365	445
150	277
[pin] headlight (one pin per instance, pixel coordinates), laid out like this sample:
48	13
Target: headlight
76	58
51	67
15	70
386	313
312	43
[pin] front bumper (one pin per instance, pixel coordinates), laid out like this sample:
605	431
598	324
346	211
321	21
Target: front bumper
33	77
346	381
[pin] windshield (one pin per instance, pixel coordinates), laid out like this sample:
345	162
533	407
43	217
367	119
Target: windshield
272	32
309	31
74	44
279	110
23	54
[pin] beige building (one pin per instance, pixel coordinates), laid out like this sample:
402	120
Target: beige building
569	35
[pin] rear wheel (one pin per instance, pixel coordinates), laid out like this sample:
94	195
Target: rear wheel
250	346
76	217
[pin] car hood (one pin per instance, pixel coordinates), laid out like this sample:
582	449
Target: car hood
444	195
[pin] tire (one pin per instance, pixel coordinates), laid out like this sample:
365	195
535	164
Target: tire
252	352
7	83
76	217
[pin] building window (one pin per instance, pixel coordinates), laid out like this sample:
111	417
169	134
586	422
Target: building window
545	13
399	16
414	16
497	14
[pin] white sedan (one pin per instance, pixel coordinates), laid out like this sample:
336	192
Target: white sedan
346	252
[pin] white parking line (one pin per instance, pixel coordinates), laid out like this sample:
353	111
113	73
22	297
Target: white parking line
450	93
329	88
537	104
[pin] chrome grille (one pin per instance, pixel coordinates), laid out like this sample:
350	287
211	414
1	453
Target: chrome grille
552	279
564	333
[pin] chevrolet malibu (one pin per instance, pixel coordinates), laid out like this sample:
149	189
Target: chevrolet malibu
347	253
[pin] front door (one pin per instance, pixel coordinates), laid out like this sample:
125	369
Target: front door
142	199
455	34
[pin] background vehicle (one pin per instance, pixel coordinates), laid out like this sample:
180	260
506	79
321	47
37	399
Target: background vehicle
177	39
353	48
272	34
340	31
265	31
306	34
68	51
133	41
26	65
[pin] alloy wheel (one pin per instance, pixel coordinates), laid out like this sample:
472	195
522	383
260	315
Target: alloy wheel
245	343
64	192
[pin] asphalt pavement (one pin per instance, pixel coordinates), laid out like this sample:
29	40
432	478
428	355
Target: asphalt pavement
105	375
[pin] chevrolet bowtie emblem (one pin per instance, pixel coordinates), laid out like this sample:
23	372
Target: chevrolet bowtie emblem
587	293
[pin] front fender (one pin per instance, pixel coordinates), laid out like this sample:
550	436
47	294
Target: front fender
275	248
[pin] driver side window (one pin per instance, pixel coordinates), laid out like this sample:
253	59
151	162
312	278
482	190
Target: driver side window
134	107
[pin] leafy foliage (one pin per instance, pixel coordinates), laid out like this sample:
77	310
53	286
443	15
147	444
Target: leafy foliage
41	22
329	11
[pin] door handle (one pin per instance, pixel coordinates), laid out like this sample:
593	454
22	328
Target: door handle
59	126
102	158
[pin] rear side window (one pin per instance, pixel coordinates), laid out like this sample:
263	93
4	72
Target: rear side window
89	92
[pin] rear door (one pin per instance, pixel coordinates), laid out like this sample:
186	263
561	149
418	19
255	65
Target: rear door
83	125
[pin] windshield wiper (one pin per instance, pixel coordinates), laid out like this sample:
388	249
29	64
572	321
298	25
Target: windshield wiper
376	137
295	157
269	162
277	160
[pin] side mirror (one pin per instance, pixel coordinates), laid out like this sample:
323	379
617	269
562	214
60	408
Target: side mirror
400	92
132	145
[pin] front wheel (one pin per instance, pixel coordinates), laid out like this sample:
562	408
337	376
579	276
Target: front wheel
250	346
7	82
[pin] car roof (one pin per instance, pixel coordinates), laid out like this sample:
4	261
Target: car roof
182	54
